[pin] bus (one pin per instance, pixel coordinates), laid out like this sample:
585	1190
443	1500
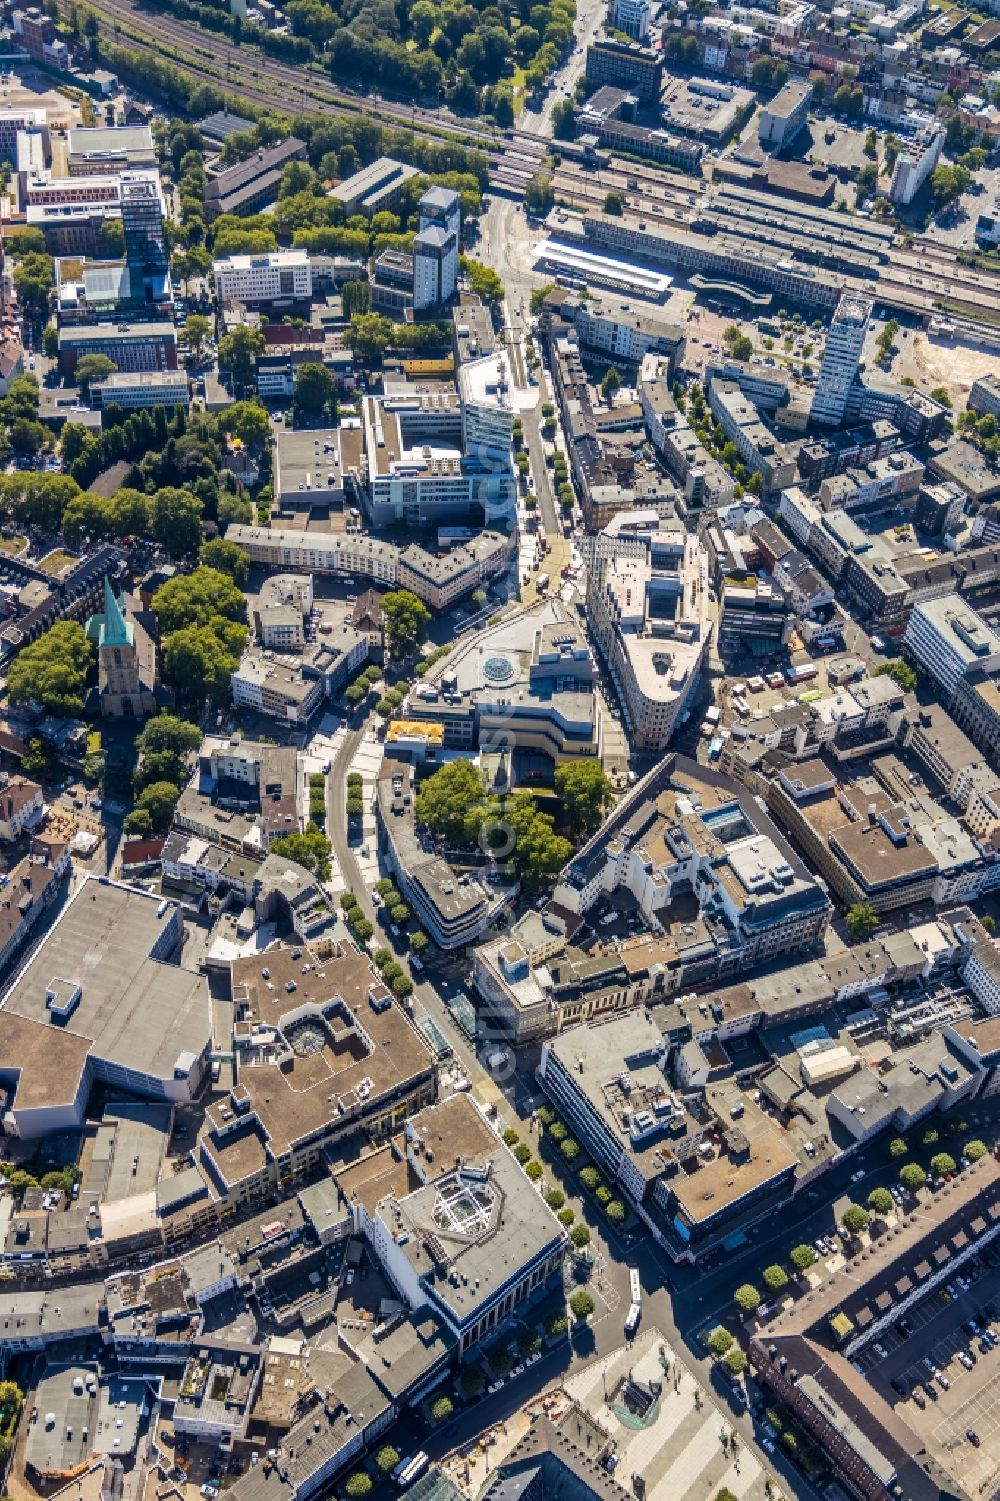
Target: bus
407	1471
635	1308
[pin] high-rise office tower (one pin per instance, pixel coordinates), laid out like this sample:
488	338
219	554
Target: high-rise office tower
435	248
142	221
841	358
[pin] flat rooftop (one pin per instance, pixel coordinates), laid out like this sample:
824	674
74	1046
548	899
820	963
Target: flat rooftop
143	1014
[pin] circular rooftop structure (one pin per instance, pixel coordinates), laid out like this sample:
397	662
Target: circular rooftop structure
499	670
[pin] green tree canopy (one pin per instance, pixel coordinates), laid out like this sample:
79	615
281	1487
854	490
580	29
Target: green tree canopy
248	421
314	389
774	1278
854	1219
581	1304
975	1149
167	732
898	1147
880	1201
310	849
942	1163
484	281
225	557
196	599
802	1257
159	800
900	672
177	520
199	661
584	792
747	1298
52	671
912	1176
239	352
406	621
91	368
862	920
720	1340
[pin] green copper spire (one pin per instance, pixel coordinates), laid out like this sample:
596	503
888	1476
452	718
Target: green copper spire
115	631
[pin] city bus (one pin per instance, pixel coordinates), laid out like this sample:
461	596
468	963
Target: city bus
407	1471
635	1307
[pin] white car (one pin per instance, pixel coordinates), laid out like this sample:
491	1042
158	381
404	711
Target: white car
494	1387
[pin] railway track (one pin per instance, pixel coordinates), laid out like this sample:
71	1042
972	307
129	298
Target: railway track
268	81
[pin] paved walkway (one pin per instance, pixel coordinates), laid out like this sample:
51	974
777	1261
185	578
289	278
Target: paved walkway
680	1455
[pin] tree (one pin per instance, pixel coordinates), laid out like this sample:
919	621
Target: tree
33	277
311	850
774	1278
912	1177
975	1149
610	384
358	1484
580	1236
168	733
91	368
197	330
248	421
239	352
898	1147
570	1149
406	621
555	1199
197	598
199	661
484	281
880	1201
52	671
738	344
581	1305
802	1257
356	296
861	920
138	824
159	800
900	672
719	1341
387	1458
442	1409
177	521
735	1362
941	396
315	389
584	792
613	204
747	1298
418	942
538	195
225	557
369	335
854	1219
942	1164
947	184
930	1137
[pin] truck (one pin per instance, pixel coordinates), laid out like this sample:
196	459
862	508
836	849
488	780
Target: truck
801	674
632	1320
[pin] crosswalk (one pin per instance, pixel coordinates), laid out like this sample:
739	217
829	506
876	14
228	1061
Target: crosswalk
680	1455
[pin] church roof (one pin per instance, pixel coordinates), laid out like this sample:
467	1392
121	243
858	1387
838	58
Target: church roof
110	628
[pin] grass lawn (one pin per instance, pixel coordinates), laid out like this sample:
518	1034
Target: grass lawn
517	80
56	562
13	545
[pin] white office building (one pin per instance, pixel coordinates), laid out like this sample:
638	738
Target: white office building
435	248
915	163
281	276
634	17
949	639
841	358
487	414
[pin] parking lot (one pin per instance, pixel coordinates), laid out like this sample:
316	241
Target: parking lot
949	1373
